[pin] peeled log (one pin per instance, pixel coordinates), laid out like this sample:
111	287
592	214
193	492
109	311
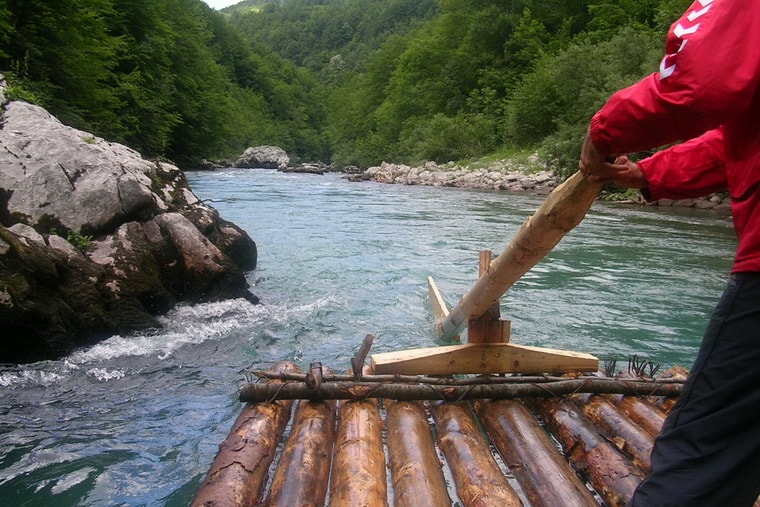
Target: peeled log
628	437
647	416
304	468
611	475
415	468
541	470
358	474
478	478
240	470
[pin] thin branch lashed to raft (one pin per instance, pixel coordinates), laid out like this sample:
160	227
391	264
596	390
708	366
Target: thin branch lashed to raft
353	390
466	381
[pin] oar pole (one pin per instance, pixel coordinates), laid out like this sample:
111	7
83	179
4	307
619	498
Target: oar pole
563	209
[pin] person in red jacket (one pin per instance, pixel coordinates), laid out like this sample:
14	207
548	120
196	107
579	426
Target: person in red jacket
706	97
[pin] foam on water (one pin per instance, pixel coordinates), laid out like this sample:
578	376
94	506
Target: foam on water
184	326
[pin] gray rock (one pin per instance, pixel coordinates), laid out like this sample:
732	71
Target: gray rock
67	177
263	157
307	168
505	175
26	234
95	240
432	174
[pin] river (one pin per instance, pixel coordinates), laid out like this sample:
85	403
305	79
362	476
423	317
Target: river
136	420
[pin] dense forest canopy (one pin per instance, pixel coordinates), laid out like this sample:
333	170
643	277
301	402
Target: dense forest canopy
348	81
168	77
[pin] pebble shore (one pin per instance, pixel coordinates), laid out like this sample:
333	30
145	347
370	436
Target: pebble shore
508	176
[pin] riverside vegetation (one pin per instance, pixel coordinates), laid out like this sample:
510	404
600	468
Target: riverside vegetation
349	82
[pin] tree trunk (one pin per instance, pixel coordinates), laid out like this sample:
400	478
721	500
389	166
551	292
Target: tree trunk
254	392
664	403
358	473
628	437
541	470
240	470
304	468
415	468
479	481
613	477
646	415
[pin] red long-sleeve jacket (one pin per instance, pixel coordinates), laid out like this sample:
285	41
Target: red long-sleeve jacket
706	94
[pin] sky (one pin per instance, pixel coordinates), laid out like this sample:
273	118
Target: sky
221	4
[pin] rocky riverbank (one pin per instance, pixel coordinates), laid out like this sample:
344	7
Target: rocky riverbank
509	176
501	177
96	241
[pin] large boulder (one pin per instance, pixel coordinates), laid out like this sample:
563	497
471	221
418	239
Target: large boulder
68	179
95	240
263	157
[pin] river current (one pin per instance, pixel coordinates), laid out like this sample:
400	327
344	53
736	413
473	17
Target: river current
136	420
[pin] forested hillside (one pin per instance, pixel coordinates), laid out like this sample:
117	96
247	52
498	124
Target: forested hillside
454	79
168	77
351	81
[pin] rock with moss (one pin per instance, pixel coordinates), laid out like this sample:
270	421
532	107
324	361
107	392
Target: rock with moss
95	240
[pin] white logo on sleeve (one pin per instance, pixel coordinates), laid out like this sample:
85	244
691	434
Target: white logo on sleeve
686	26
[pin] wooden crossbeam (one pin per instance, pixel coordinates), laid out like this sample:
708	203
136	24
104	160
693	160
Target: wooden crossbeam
482	358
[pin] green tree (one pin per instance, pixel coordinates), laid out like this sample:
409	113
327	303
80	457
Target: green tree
522	49
145	87
62	51
668	11
445	138
352	123
554	102
607	17
5	27
355	81
201	98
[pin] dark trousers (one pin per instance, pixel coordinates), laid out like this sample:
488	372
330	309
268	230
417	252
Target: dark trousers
708	452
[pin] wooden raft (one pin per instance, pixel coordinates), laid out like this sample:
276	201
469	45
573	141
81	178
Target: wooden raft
462	446
577	450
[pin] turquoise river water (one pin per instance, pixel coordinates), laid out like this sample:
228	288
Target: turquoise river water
136	420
